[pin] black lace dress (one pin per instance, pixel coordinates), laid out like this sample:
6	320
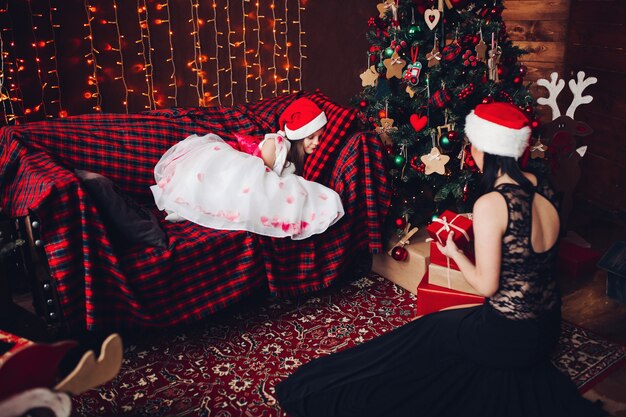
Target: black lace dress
491	360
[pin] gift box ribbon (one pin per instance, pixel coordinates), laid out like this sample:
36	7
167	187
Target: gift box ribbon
447	226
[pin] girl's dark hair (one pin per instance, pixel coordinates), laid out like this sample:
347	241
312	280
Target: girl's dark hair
496	164
296	156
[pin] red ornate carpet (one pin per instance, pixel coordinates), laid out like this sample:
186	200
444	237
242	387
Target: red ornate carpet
228	366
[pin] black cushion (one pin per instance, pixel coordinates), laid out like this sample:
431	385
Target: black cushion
126	220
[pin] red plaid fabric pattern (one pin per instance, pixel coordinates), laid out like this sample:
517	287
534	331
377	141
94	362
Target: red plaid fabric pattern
201	271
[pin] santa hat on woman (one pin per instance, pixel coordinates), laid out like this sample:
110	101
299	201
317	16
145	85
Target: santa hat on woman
301	119
499	129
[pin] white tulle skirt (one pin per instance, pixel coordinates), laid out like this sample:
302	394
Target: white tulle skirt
204	180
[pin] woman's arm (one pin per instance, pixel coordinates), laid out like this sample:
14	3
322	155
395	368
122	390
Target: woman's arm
268	152
490	219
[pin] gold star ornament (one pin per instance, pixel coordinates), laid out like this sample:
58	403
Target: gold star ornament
394	66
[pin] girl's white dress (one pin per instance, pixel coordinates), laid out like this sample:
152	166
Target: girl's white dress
205	180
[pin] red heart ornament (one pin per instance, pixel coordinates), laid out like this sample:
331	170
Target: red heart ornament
418	122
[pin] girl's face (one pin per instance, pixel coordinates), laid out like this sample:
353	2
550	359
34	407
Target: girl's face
479	158
311	142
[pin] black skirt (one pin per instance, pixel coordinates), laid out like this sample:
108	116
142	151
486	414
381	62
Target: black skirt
465	362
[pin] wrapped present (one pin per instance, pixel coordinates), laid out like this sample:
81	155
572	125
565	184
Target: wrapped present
576	261
432	298
409	272
449	278
438	258
450	221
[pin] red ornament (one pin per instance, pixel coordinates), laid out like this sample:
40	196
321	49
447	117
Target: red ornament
400	222
382	114
453	135
487	100
517	80
534	124
363	104
399	253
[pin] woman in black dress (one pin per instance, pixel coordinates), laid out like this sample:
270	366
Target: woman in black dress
487	360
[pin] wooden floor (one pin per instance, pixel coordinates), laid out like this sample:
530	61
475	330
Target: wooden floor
586	304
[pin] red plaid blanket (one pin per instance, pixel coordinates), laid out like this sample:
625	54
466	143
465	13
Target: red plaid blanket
202	270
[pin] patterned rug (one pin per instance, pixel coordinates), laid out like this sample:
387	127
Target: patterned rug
229	365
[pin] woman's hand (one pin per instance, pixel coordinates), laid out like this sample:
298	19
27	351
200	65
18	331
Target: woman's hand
450	249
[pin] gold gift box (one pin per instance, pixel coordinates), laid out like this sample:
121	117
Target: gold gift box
449	278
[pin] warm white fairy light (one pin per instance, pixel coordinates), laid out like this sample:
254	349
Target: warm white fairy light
35	45
55	71
300	45
245	49
218	69
92	60
276	46
230	54
197	52
287	44
10	68
146	53
121	60
258	50
170	34
5	96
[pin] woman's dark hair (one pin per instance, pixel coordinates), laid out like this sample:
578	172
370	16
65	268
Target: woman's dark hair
496	164
296	156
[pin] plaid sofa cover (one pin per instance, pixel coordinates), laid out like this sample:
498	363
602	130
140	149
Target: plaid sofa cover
202	270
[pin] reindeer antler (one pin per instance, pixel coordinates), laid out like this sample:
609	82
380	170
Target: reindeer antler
577	89
90	373
554	87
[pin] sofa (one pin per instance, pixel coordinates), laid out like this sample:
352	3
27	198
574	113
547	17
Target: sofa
90	279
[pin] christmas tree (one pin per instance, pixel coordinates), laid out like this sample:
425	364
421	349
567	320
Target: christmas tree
430	63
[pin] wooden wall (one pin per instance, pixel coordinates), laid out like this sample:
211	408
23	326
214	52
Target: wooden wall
540	27
595	44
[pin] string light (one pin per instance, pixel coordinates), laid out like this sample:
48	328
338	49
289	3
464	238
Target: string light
287	65
218	69
170	33
144	38
247	57
258	50
275	53
120	37
55	71
9	72
92	60
300	45
197	53
245	49
230	55
5	97
35	45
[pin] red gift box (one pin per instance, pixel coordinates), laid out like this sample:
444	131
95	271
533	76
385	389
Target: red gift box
450	221
575	261
438	258
432	298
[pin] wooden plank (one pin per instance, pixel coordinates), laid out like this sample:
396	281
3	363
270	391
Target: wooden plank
543	51
537	70
603	13
596	170
610	57
537	30
588	33
536	10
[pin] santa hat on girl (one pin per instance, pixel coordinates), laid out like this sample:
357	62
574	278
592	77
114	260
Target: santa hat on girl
301	119
499	129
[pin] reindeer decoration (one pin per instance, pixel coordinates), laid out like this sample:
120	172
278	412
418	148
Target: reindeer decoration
29	377
561	136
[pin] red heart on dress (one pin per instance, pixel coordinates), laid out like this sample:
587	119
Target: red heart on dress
418	122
